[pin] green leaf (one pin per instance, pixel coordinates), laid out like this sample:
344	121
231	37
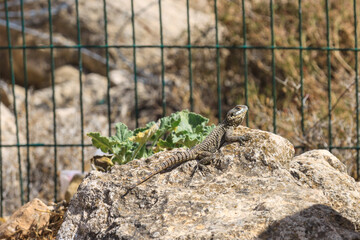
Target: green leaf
103	143
142	138
122	133
148	125
189	121
177	130
169	123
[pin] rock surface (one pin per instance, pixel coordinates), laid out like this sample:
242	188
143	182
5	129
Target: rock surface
254	191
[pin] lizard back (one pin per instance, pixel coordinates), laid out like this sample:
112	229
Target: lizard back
213	141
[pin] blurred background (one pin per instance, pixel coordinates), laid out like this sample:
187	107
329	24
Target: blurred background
70	67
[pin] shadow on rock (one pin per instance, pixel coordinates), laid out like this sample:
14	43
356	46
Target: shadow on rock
316	222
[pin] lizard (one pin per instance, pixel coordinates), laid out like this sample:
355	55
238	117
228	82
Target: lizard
204	150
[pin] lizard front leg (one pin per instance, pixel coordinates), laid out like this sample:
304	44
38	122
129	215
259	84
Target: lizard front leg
230	137
221	163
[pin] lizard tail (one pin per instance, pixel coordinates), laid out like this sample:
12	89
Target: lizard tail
177	158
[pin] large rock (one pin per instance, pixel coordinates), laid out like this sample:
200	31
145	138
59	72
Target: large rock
254	191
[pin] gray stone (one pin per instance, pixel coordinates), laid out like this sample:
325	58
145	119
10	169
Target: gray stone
10	161
254	191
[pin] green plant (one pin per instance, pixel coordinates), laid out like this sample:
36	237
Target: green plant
180	129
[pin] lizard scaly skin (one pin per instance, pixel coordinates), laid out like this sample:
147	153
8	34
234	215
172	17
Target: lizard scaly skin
203	151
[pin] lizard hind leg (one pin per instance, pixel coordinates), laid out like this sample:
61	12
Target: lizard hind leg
204	158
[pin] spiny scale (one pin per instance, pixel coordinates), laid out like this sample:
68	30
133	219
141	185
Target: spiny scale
210	144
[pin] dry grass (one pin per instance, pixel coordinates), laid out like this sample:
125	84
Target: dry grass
50	230
287	71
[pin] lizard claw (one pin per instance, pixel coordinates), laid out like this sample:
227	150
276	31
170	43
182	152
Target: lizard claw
243	139
222	163
247	137
202	169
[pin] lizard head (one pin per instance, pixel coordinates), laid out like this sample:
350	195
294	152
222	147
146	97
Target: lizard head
236	115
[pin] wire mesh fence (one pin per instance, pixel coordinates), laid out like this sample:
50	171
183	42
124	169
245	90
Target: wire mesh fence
15	15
